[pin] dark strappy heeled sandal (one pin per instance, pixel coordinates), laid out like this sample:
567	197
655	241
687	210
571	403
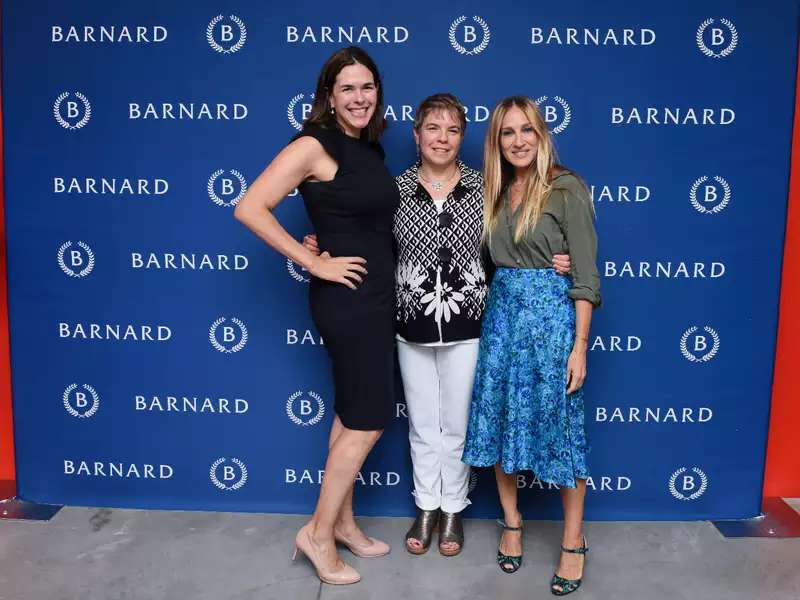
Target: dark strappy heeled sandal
569	585
451	530
508	564
422	530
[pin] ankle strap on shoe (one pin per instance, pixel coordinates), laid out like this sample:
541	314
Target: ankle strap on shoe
506	527
582	550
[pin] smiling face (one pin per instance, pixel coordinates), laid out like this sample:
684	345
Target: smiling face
518	140
439	138
354	98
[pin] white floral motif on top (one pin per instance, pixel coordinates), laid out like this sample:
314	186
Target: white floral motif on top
475	283
409	278
444	300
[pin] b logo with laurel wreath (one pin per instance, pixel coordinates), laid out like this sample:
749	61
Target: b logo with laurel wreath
717	42
698	348
81	401
557	114
692	486
225	338
299	275
75	260
469	35
228	194
713	198
296	120
75	114
231	477
220	34
304	412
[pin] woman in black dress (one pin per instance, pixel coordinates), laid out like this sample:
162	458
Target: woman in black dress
337	163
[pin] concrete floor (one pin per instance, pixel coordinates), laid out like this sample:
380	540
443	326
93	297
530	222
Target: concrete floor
100	554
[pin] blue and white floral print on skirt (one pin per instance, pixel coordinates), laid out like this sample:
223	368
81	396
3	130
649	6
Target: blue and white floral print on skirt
521	416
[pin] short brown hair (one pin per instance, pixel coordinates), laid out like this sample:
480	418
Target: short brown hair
446	102
320	109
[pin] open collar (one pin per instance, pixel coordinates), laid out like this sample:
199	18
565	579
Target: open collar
467	182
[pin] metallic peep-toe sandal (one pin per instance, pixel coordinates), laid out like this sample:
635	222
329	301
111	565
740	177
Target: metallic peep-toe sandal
508	564
569	585
422	530
451	530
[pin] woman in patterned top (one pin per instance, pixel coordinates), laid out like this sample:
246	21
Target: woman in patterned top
441	290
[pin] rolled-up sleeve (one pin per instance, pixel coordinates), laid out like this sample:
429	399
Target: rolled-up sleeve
581	237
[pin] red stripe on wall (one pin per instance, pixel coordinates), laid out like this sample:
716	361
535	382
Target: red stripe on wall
782	477
7	471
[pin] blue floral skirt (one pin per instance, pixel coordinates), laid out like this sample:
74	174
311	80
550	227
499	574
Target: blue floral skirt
521	416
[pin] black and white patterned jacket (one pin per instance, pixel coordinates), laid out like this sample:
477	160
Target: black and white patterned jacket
440	278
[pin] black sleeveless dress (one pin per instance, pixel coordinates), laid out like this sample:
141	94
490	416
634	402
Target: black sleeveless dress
352	216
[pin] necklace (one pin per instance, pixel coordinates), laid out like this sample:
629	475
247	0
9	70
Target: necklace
437	185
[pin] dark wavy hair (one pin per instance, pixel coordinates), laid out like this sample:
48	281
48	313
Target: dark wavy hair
320	109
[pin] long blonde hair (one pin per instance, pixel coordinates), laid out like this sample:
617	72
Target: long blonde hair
498	172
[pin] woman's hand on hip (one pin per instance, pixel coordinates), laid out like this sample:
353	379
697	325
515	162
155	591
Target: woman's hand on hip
576	370
310	243
342	269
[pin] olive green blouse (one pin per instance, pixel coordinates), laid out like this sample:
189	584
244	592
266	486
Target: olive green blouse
565	227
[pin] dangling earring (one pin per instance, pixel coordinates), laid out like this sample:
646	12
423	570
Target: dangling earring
333	111
418	151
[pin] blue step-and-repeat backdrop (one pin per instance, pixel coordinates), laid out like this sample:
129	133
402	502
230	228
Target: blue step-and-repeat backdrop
164	357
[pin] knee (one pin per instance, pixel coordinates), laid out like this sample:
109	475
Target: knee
369	438
364	439
374	436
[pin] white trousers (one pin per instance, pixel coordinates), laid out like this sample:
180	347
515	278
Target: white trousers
438	387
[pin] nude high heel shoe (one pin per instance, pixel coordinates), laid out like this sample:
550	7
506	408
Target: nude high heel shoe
303	543
372	550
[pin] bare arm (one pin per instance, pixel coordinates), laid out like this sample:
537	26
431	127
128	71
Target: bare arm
576	365
302	159
294	164
583	321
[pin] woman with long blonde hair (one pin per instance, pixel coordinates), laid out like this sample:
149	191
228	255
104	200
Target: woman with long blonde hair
527	404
